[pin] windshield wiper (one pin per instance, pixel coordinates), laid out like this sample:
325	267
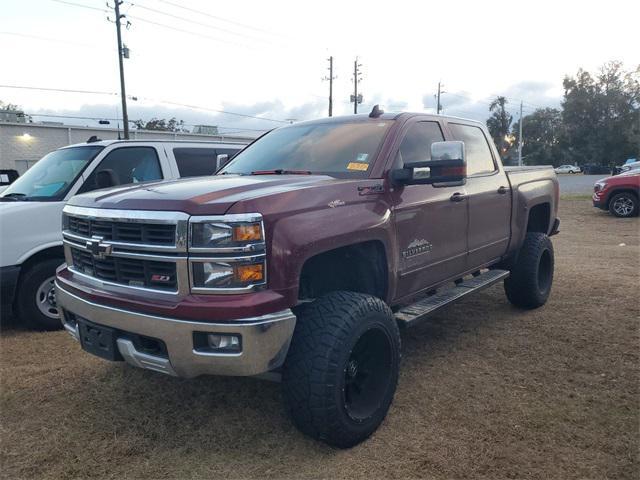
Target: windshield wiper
14	197
280	171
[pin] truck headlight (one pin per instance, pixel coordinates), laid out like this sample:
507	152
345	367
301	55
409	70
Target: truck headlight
242	232
241	273
226	253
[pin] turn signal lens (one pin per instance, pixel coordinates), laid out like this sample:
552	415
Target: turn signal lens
249	273
247	233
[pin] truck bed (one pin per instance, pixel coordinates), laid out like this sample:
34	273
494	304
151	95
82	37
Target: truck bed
531	186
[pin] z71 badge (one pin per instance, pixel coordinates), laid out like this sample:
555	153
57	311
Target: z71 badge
417	247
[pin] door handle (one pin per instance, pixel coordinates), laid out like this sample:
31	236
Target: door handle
458	197
502	190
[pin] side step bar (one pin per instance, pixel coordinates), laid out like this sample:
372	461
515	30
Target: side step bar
412	314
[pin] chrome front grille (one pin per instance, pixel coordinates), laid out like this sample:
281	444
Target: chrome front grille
135	249
153	234
132	272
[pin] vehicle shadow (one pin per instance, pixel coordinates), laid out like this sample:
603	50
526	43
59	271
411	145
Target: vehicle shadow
209	416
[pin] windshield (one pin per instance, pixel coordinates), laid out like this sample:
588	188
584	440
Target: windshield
52	176
338	149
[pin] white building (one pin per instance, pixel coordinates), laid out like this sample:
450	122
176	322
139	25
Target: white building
23	144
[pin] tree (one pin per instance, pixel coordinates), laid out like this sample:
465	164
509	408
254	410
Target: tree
499	124
161	124
542	133
12	107
601	115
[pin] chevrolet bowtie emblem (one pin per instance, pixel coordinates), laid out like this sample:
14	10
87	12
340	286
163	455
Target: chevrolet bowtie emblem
97	248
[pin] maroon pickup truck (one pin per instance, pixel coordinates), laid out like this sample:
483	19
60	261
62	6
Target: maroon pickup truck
303	256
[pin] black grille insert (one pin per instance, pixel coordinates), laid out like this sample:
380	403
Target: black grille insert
150	233
131	272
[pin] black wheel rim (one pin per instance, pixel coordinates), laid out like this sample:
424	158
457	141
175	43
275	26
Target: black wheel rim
545	271
367	374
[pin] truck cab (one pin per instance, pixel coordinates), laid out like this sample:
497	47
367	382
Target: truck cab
31	208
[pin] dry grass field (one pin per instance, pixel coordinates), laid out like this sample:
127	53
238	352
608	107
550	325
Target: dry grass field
486	391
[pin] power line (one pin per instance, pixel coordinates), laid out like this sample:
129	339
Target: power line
200	12
64	90
65	2
79	117
193	107
195	22
177	29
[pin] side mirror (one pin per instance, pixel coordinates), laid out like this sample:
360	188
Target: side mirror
221	160
447	166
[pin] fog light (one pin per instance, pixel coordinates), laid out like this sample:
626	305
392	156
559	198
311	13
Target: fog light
223	342
217	343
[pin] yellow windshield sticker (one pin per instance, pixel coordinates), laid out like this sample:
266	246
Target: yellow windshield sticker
361	167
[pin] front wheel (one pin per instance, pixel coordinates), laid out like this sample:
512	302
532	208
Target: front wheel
529	284
342	368
624	205
36	297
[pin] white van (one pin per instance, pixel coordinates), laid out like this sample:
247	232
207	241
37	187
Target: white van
31	208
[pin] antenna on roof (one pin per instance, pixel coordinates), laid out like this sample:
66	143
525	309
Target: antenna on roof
93	139
376	112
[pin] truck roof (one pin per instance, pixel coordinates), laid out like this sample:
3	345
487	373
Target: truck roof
105	143
385	116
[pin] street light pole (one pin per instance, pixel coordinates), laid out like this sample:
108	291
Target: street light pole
123	93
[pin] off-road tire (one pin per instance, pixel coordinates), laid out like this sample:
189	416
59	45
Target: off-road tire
29	283
631	204
529	284
316	375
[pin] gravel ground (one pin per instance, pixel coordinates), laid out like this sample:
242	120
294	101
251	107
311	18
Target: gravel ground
486	391
578	184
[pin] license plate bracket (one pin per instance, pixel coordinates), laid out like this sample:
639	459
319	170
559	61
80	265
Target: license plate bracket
99	340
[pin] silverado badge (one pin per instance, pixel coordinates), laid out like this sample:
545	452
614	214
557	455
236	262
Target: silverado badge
417	247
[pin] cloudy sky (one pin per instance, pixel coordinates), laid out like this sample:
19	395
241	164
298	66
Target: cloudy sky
268	58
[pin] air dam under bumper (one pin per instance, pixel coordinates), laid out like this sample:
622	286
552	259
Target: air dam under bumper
265	339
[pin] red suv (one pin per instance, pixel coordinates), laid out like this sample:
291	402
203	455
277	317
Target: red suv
619	194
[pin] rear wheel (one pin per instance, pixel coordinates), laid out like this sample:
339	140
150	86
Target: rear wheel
36	303
529	284
624	205
342	368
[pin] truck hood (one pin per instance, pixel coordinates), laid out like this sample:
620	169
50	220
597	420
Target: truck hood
213	195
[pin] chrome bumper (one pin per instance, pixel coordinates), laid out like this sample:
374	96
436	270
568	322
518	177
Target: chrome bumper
265	339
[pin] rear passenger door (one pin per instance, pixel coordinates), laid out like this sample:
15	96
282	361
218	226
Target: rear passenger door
488	197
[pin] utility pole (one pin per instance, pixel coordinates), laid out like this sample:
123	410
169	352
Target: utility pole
439	105
355	98
520	138
123	93
331	78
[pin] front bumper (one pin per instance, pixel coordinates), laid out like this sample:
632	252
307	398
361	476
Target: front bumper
265	339
598	199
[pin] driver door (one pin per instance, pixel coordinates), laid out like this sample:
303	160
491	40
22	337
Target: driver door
431	228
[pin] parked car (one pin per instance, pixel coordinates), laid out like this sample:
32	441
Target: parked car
304	255
31	208
593	169
568	169
619	194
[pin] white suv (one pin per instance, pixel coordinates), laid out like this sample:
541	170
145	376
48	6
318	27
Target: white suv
31	208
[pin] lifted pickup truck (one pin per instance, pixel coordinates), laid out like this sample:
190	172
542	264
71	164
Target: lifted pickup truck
304	255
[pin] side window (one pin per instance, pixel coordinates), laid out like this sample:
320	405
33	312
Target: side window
195	162
416	145
126	165
477	151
